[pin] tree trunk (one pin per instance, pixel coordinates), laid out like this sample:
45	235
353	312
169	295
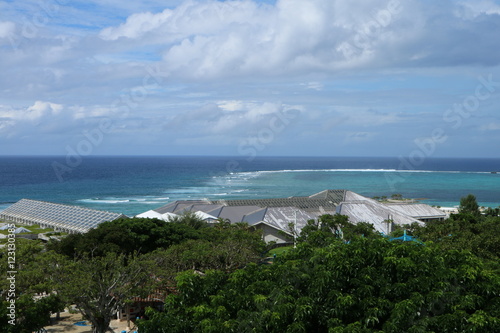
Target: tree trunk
100	325
127	309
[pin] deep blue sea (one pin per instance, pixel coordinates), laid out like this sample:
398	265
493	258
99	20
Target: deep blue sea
132	185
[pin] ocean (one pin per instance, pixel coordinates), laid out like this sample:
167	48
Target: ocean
132	185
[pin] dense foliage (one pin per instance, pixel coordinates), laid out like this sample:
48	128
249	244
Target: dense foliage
225	247
467	230
31	274
340	277
348	278
369	285
126	236
101	286
103	269
329	228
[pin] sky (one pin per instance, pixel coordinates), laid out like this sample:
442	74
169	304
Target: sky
415	78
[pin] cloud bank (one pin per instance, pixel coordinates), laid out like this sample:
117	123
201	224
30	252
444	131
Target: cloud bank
365	77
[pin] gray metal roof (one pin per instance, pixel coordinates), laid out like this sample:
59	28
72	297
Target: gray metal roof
256	216
62	217
275	212
238	213
362	209
319	203
280	212
178	206
281	217
215	210
419	210
324	201
276	217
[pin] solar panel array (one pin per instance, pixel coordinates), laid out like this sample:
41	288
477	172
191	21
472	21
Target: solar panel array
66	218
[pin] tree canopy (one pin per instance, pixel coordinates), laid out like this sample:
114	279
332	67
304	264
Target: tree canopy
340	277
126	236
101	286
469	205
31	274
369	285
466	230
347	278
103	269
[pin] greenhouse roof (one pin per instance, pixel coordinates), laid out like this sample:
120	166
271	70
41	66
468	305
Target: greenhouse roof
67	218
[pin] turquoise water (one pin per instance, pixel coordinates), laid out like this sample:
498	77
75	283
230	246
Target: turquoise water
132	185
438	188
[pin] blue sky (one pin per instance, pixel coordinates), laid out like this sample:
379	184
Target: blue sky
284	77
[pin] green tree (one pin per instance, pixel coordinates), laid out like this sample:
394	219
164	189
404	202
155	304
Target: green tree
492	211
189	218
101	286
329	227
29	314
126	236
469	205
223	248
478	234
25	278
397	196
369	285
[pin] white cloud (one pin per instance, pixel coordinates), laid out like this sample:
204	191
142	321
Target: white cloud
314	85
473	8
137	25
42	109
204	39
33	113
226	67
188	19
210	39
231	105
51	118
367	117
7	28
25	121
490	127
359	137
95	111
233	118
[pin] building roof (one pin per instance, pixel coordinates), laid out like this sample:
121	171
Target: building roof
280	212
362	209
177	207
319	203
151	214
378	215
322	202
281	217
58	216
418	210
204	216
275	217
21	230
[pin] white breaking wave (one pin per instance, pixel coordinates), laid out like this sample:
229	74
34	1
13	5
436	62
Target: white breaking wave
131	200
190	190
103	201
252	174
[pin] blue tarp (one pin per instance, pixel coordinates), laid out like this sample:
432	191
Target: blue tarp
405	238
